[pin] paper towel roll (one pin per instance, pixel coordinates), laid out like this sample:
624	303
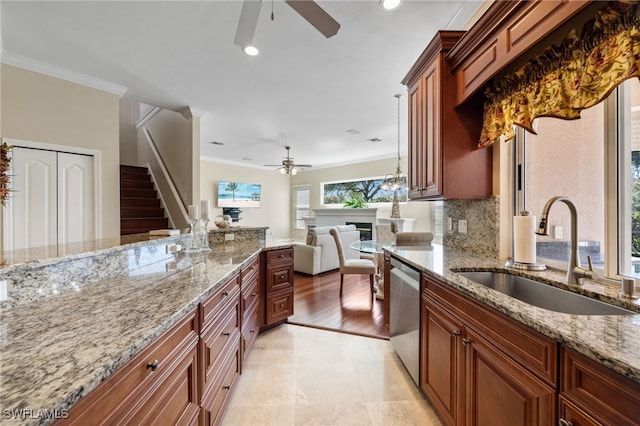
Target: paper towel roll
524	239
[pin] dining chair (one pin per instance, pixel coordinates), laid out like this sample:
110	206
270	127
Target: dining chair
413	239
353	266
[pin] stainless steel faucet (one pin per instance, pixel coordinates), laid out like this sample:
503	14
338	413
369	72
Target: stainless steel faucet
574	271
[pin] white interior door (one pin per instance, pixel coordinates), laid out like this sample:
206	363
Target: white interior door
52	200
75	198
32	205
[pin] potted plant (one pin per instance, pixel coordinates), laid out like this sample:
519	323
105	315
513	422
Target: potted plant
356	201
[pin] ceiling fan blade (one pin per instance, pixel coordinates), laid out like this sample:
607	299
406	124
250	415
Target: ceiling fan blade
248	22
316	16
304	165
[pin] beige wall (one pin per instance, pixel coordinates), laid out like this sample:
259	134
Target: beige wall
177	140
275	201
48	110
420	210
129	116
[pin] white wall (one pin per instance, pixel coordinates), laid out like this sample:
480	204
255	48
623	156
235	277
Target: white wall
274	210
44	109
420	210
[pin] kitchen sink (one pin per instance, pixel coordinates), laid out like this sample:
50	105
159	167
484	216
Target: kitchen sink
544	295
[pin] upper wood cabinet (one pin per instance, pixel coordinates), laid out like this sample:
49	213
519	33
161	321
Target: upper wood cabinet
505	31
444	161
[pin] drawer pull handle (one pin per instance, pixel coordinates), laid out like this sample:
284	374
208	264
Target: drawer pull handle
225	293
466	341
282	255
226	334
252	331
153	365
563	422
254	294
227	387
456	333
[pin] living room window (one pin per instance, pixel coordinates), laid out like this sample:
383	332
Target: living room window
301	205
336	193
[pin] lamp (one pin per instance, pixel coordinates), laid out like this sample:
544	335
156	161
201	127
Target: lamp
397	180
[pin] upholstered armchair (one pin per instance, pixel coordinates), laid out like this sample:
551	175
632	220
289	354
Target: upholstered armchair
319	254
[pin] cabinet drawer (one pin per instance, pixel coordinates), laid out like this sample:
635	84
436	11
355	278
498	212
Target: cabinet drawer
216	398
222	337
279	306
573	415
249	273
250	330
175	401
280	255
227	293
118	396
279	277
534	351
602	393
249	298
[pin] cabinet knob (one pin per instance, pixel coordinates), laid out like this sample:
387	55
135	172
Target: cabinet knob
225	293
282	305
456	333
153	365
282	255
563	422
254	294
282	277
466	341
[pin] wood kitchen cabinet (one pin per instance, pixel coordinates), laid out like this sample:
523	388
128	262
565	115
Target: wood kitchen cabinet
159	385
592	394
444	161
480	367
220	354
249	304
277	286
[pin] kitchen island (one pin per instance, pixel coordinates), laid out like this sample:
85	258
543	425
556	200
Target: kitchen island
69	323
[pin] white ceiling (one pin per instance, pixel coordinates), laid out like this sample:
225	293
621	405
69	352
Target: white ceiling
303	90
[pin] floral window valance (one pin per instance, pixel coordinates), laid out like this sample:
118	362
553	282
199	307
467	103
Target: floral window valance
563	80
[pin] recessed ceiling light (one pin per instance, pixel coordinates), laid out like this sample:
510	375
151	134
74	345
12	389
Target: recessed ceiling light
352	131
374	140
247	159
216	143
251	50
390	4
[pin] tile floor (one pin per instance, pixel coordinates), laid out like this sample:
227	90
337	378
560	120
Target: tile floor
298	375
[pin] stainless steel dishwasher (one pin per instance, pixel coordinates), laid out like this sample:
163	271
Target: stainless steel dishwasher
404	315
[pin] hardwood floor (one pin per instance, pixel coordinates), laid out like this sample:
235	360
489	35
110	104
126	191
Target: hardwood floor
317	304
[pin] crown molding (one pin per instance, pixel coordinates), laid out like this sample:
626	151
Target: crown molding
61	73
190	112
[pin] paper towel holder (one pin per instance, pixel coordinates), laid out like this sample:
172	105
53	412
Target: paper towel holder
510	263
522	266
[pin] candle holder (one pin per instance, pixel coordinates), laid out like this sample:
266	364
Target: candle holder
204	243
193	240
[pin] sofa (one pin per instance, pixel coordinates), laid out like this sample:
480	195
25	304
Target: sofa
319	253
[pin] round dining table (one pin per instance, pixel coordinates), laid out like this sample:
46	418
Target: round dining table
376	249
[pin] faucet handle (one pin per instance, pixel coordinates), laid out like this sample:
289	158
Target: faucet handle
628	287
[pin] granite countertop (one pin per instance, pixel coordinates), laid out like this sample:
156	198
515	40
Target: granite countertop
609	339
57	347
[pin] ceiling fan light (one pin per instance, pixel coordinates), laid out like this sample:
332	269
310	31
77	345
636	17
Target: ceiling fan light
294	171
283	171
390	4
251	50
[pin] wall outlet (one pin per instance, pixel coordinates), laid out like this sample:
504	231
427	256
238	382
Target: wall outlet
173	248
3	290
229	237
449	224
462	226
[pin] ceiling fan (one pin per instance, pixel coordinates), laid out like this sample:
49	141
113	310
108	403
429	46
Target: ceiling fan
288	166
308	9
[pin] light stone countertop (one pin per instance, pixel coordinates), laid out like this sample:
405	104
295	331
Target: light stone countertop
613	340
57	347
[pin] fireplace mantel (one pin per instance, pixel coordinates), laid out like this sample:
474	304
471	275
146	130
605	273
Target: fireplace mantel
328	217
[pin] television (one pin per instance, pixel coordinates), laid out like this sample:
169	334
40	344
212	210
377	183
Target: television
238	194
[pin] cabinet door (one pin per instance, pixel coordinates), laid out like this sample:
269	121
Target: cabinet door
416	145
432	157
440	361
501	393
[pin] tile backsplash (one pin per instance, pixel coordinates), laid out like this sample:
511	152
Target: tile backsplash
483	232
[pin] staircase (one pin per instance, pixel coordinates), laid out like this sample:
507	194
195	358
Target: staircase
140	209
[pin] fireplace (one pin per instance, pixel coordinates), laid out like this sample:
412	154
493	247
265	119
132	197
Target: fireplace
365	228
